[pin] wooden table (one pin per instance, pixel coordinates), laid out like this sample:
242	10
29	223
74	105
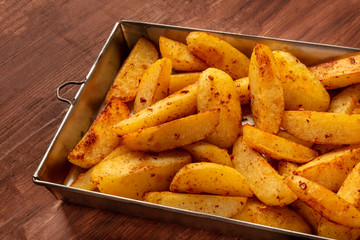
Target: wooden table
46	43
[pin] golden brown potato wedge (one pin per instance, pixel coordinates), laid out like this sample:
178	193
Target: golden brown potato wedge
224	206
177	105
218	53
243	89
181	57
333	230
154	84
173	134
279	217
323	127
330	169
216	90
267	96
98	142
267	185
350	189
132	174
338	73
207	177
301	88
308	213
324	201
181	80
207	152
277	147
127	80
346	100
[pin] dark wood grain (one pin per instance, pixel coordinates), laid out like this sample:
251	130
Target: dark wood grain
45	43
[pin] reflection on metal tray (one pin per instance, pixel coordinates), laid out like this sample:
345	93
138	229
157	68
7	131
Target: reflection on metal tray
54	166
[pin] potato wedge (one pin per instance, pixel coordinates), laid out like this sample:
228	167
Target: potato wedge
132	174
218	53
98	141
224	206
267	185
338	73
350	189
330	169
277	147
181	57
324	201
279	217
323	127
267	96
177	133
154	84
308	213
301	88
243	89
181	80
207	152
333	230
177	105
127	80
216	90
207	177
346	100
83	181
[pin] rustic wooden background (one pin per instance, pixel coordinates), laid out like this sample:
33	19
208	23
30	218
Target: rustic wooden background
44	43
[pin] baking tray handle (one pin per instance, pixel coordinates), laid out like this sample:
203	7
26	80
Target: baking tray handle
64	85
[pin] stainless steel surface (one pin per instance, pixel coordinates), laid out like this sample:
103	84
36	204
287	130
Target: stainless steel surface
54	166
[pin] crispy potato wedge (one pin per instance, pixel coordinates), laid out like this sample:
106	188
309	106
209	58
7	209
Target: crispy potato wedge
154	84
346	100
333	230
98	141
180	80
350	189
308	213
330	169
224	206
301	88
279	217
207	177
181	57
216	90
132	174
173	134
267	185
324	201
277	147
323	127
267	96
127	80
286	168
177	105
338	73
218	53
207	152
243	89
288	136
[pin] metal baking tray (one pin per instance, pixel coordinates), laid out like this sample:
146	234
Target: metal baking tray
54	167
